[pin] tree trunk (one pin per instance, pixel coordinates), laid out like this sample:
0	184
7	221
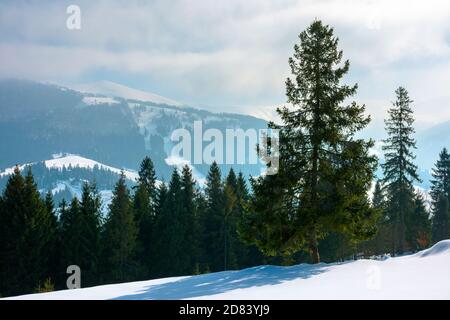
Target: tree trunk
314	247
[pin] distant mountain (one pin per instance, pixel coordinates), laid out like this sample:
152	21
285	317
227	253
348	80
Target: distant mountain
38	120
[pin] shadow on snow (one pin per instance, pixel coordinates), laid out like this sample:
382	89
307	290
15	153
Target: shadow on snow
221	282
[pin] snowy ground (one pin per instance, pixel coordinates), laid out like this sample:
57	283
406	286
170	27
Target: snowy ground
424	275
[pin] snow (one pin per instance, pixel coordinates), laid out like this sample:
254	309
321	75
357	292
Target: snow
81	162
92	101
180	162
112	89
424	275
65	160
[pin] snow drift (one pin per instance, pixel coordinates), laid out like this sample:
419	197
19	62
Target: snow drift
424	275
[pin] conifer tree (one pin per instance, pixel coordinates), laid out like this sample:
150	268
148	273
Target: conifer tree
190	249
27	232
441	228
248	255
144	202
440	184
12	224
418	225
119	238
70	234
399	169
170	232
440	195
324	171
213	235
90	221
52	246
380	243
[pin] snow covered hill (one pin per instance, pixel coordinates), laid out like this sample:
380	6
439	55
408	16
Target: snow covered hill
424	275
74	161
112	90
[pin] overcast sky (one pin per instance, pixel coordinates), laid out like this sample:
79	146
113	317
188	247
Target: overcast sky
228	54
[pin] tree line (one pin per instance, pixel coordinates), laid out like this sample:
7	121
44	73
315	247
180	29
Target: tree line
152	230
318	207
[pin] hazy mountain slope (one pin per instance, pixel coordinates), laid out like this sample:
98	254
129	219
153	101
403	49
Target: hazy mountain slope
38	120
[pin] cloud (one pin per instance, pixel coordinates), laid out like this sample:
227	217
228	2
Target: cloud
231	52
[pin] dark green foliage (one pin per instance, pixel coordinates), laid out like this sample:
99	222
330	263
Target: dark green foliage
399	169
119	237
189	250
441	228
440	195
213	239
325	172
27	229
80	234
418	225
144	205
170	231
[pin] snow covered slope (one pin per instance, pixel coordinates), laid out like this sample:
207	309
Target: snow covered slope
112	89
424	275
74	161
81	162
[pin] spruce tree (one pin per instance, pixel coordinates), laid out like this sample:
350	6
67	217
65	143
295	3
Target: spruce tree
440	184
248	255
440	196
213	235
70	234
12	224
170	232
157	247
190	249
399	169
27	232
380	243
52	246
324	171
90	221
119	237
418	225
144	202
441	228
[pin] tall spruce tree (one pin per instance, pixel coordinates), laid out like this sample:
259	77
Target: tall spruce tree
69	226
399	169
248	255
213	229
144	202
440	195
418	225
190	247
440	184
119	237
170	231
90	221
324	171
52	246
12	224
440	227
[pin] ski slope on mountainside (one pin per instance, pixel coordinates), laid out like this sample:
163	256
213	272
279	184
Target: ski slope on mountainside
424	275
